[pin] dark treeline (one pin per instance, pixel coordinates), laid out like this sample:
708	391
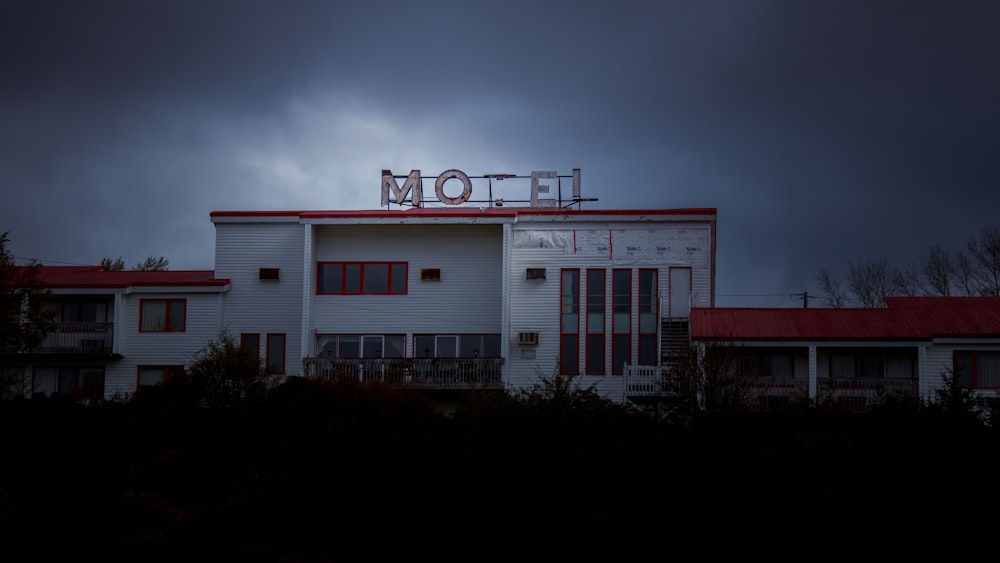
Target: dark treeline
320	471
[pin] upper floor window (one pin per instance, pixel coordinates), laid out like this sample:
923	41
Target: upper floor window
162	315
84	312
361	278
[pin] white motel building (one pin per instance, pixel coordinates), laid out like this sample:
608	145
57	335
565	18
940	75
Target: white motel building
462	294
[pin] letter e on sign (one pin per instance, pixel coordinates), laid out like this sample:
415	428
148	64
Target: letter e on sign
537	188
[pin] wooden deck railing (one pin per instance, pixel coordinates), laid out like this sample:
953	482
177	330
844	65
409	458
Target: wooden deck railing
417	373
762	393
77	338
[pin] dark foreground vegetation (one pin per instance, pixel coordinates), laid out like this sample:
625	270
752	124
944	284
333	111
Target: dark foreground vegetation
315	471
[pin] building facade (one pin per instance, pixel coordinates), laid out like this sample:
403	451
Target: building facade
431	298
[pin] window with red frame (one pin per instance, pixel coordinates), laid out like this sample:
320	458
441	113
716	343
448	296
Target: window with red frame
276	353
152	376
162	315
977	369
621	320
361	278
569	322
86	382
647	317
596	296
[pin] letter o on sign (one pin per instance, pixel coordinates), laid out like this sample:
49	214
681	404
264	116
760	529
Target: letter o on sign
448	175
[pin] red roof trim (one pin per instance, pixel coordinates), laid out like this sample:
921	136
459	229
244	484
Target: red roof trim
464	211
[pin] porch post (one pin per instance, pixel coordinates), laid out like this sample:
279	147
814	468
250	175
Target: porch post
813	391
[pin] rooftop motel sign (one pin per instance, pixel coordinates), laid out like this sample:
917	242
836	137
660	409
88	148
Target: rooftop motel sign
414	183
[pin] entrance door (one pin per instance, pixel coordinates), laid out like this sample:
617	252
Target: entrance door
680	292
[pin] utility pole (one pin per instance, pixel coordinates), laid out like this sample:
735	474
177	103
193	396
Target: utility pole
805	298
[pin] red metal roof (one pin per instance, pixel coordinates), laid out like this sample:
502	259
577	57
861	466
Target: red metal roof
904	318
96	277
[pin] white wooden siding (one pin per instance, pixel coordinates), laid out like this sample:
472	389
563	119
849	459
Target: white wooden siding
201	326
467	299
260	306
535	303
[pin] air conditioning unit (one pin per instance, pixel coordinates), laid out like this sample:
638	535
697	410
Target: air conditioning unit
534	274
527	338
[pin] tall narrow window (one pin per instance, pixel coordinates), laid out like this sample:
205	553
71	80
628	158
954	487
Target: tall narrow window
569	322
276	353
596	294
621	330
250	341
647	317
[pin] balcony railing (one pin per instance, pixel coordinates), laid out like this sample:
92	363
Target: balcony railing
764	393
416	373
78	338
863	393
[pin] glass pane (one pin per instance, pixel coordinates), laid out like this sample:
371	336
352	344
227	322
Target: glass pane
349	347
570	324
251	343
326	346
447	346
620	353
595	355
372	346
778	365
622	291
70	313
595	323
331	278
154	315
569	301
622	322
276	352
92	384
647	350
988	370
423	347
44	381
569	360
842	366
376	278
647	322
872	366
595	291
470	345
963	368
395	346
150	376
398	279
491	346
176	316
89	312
67	381
352	278
647	291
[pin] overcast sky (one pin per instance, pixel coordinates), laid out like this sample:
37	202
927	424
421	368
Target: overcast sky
822	131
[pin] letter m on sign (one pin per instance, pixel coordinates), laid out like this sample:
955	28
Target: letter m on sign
412	181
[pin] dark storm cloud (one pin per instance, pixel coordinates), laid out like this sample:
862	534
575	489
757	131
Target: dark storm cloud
822	131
